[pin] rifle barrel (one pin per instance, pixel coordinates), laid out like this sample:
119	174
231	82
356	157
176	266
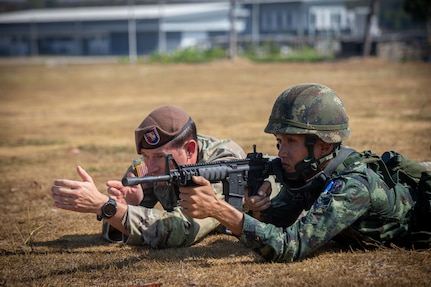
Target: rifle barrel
129	181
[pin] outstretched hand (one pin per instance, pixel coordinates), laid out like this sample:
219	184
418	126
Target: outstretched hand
80	196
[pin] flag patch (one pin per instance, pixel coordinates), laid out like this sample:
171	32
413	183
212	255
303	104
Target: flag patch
141	169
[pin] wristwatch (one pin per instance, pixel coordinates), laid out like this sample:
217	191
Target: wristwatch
108	209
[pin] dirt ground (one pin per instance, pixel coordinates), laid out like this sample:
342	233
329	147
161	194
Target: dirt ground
56	115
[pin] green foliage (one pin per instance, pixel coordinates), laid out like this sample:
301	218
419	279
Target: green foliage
216	53
270	52
188	55
267	52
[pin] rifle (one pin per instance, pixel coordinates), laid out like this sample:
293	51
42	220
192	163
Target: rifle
236	175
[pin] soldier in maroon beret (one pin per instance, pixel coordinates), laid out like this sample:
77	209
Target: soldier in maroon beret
129	213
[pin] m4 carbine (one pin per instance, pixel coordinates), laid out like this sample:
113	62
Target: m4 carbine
236	175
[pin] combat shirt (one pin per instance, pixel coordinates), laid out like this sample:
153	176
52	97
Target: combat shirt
356	206
170	227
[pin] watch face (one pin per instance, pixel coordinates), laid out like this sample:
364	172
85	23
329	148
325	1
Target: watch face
110	210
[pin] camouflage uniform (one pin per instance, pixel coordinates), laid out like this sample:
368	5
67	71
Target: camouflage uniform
170	227
352	205
355	207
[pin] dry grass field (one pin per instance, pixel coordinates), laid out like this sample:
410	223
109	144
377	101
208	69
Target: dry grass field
54	117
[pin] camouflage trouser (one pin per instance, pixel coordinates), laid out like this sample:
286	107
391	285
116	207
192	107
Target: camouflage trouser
159	228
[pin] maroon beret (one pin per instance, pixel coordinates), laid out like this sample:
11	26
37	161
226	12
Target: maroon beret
160	127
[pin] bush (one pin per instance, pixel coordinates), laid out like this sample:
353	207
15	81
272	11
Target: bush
273	53
267	52
188	55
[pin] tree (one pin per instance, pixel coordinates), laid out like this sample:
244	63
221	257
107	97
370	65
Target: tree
421	10
232	32
367	36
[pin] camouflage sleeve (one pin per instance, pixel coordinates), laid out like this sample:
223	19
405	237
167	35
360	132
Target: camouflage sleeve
161	229
340	205
212	149
166	229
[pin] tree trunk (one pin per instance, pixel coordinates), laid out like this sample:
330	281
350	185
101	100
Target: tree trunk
367	37
428	31
232	34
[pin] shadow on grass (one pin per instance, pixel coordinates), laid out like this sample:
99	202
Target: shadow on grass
72	255
73	241
89	254
64	244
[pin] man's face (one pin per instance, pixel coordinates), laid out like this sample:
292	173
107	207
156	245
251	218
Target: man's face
155	159
291	150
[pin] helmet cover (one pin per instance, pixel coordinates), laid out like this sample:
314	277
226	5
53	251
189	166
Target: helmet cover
310	108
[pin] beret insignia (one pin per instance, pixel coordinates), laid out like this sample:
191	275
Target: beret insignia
152	136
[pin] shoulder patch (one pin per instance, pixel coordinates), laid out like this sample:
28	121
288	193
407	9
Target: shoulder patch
325	198
334	186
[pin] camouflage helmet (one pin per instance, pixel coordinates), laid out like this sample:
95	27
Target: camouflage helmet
310	109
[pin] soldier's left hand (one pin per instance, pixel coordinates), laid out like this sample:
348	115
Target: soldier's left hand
261	201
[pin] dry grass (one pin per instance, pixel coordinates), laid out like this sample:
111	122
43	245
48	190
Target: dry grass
55	117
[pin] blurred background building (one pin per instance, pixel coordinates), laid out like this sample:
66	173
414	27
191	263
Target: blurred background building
138	28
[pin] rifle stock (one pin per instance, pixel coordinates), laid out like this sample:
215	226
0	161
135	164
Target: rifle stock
236	175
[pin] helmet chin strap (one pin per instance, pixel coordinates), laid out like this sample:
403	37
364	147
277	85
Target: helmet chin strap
309	165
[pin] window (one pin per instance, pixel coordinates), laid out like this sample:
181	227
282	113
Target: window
269	21
335	20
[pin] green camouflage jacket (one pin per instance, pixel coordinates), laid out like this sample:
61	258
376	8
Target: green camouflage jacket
356	206
170	227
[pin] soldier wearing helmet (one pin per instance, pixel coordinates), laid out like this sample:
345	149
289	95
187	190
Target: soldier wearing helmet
317	113
323	192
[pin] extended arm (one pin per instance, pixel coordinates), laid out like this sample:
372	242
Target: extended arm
83	196
279	244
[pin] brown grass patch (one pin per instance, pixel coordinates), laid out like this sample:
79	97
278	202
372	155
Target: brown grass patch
56	117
